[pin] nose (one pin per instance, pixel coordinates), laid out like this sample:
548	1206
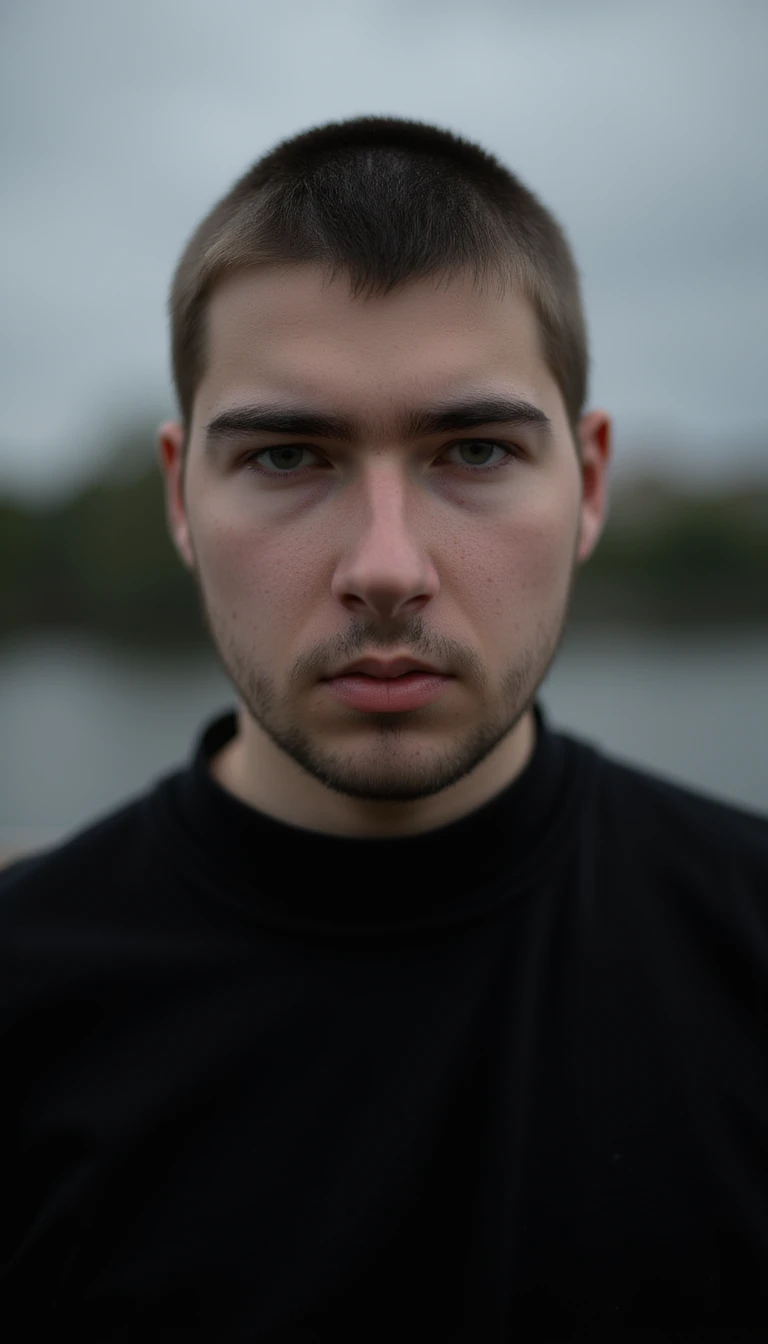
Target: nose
384	568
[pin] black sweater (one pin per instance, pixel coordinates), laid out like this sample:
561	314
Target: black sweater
504	1080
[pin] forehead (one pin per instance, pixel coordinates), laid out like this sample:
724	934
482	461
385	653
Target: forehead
292	330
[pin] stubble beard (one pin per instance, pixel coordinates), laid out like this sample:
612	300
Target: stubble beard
385	774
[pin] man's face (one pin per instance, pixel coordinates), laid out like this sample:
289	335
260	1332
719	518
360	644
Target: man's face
387	540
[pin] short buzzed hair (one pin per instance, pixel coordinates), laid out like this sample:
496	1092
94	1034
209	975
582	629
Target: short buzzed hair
385	201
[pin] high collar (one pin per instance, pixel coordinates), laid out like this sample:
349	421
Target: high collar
289	876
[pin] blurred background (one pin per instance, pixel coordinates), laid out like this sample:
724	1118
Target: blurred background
641	126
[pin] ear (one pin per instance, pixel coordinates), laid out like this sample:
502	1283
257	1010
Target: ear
170	438
596	440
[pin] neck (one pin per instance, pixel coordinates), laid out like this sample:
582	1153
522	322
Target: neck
259	774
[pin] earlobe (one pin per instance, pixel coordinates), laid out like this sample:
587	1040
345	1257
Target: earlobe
170	438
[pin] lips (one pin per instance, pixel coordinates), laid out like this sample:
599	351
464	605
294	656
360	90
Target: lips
386	670
407	691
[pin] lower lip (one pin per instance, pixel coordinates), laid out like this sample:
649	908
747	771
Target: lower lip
385	695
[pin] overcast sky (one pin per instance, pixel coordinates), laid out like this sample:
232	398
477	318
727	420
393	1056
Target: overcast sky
642	125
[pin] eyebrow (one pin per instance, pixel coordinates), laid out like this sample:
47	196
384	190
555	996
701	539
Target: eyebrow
468	413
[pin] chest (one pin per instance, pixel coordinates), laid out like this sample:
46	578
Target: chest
534	1127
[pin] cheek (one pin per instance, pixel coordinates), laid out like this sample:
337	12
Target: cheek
546	557
522	564
250	573
545	541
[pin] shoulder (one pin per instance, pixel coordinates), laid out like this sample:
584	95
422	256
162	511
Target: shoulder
685	875
669	823
108	852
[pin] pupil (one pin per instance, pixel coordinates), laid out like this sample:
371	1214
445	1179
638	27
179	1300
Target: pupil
478	448
276	452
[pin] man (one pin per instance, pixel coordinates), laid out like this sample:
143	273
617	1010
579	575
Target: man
397	1014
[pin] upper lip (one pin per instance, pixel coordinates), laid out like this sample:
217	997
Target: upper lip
378	667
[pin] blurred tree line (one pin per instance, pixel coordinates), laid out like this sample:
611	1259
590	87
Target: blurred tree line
101	560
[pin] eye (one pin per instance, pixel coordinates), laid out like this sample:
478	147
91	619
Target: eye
482	446
278	461
285	459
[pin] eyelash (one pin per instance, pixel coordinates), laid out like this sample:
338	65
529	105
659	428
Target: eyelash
251	461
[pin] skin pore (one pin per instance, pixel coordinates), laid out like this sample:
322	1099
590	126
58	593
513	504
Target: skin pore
380	536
